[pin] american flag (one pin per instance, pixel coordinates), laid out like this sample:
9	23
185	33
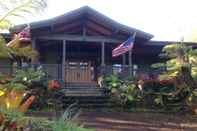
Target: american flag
124	47
23	36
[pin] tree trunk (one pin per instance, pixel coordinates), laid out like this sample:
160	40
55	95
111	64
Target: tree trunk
186	77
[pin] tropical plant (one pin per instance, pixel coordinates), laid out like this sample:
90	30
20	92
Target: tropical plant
12	9
65	122
29	75
112	82
180	66
124	92
10	118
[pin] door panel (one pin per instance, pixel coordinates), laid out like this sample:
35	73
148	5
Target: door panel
78	72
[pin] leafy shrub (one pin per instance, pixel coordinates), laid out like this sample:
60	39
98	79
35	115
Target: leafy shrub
112	82
123	92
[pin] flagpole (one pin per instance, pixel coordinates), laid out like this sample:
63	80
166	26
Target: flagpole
130	59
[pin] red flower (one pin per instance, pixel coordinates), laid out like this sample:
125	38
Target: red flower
54	84
13	125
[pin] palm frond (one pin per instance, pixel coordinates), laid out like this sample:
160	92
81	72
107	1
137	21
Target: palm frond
3	49
18	9
27	52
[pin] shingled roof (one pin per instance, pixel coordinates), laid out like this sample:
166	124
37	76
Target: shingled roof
86	12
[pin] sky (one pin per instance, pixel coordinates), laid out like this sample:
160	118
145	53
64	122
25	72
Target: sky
168	20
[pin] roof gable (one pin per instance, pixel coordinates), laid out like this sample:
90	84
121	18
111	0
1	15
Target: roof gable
95	23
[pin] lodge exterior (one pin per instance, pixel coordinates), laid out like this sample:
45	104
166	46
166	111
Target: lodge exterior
77	47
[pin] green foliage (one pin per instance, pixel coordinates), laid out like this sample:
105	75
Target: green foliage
17	54
15	86
26	52
181	65
131	93
12	10
4	51
178	55
123	92
18	9
24	79
60	125
29	75
36	123
158	65
65	122
112	82
159	100
11	115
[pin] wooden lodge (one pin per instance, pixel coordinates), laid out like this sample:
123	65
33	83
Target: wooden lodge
77	47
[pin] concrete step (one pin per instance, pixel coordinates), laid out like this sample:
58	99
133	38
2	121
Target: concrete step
88	101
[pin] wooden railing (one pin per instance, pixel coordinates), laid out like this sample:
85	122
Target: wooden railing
127	71
121	71
54	71
6	69
79	75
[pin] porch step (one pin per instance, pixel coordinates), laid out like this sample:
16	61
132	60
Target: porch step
84	91
81	85
87	101
86	97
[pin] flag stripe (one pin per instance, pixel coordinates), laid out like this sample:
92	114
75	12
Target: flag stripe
23	36
124	47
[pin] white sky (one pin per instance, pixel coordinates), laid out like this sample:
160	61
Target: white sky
165	19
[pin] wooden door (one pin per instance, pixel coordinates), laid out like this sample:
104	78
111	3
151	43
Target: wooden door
77	72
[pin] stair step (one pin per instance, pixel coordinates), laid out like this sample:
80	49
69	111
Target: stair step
83	95
81	85
86	95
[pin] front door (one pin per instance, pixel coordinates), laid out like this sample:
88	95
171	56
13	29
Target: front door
77	72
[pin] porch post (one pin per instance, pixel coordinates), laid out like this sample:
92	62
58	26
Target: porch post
130	63
102	66
35	60
124	59
63	60
33	43
103	54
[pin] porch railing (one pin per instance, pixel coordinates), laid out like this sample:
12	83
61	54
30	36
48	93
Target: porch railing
54	71
6	69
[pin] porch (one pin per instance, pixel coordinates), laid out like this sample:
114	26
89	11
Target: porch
83	74
77	47
81	62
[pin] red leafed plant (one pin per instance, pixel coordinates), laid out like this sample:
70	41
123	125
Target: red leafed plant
54	84
166	81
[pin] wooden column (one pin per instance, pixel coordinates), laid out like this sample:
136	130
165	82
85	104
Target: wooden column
130	63
63	59
124	59
33	41
103	54
35	60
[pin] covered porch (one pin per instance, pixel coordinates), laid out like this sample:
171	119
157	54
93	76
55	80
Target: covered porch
81	61
86	61
77	47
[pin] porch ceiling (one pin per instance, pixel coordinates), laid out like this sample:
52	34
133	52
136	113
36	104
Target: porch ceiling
79	38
